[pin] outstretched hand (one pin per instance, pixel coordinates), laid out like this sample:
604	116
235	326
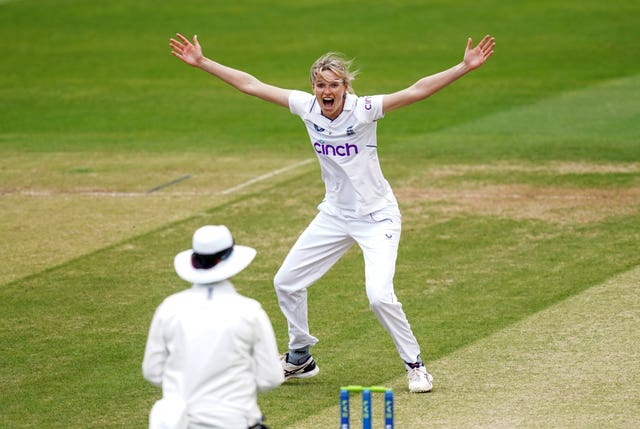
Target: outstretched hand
190	53
475	57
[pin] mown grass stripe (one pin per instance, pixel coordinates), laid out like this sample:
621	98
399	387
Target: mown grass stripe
567	366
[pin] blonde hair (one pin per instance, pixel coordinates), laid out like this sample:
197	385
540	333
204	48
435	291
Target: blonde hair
338	64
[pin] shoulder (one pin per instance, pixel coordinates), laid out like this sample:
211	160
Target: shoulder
300	101
300	97
238	300
174	300
366	102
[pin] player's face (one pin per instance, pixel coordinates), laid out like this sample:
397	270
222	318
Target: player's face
330	91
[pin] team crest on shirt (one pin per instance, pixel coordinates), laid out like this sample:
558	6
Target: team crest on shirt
318	129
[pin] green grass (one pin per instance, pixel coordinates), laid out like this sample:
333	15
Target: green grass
559	367
519	186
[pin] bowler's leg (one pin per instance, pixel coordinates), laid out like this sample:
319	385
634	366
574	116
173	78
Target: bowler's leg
317	249
379	240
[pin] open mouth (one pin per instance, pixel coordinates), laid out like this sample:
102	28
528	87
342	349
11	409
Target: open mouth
327	101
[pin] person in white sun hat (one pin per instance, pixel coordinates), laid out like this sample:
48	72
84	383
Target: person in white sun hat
210	349
359	206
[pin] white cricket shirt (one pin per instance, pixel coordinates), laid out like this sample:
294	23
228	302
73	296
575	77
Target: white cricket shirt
215	349
347	151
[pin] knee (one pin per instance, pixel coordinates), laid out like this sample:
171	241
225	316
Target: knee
284	282
278	281
379	301
376	303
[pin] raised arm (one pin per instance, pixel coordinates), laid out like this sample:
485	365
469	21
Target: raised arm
473	58
191	53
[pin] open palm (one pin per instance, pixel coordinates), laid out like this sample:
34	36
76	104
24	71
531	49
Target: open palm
475	57
190	53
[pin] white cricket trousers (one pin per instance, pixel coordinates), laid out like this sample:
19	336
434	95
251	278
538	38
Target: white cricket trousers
320	246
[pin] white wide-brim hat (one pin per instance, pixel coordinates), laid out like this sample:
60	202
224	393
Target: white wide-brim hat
214	256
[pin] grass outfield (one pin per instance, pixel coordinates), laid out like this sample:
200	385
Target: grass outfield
519	186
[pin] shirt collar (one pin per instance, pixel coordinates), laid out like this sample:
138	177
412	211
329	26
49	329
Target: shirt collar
224	285
350	102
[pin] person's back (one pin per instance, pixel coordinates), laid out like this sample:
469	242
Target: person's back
215	350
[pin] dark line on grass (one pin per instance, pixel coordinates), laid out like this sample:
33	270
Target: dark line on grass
173	182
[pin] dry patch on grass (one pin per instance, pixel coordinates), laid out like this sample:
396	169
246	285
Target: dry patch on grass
55	207
524	201
129	174
551	168
48	230
528	202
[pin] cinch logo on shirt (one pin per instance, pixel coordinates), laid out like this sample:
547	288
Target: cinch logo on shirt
330	150
368	103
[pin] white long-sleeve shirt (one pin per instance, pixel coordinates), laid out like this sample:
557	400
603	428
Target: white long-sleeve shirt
215	349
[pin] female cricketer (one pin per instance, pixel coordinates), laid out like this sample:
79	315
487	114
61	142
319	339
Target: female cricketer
359	205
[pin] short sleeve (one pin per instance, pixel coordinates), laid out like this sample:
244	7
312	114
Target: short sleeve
300	102
370	108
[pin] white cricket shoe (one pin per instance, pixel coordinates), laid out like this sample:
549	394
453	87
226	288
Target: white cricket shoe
307	369
419	380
